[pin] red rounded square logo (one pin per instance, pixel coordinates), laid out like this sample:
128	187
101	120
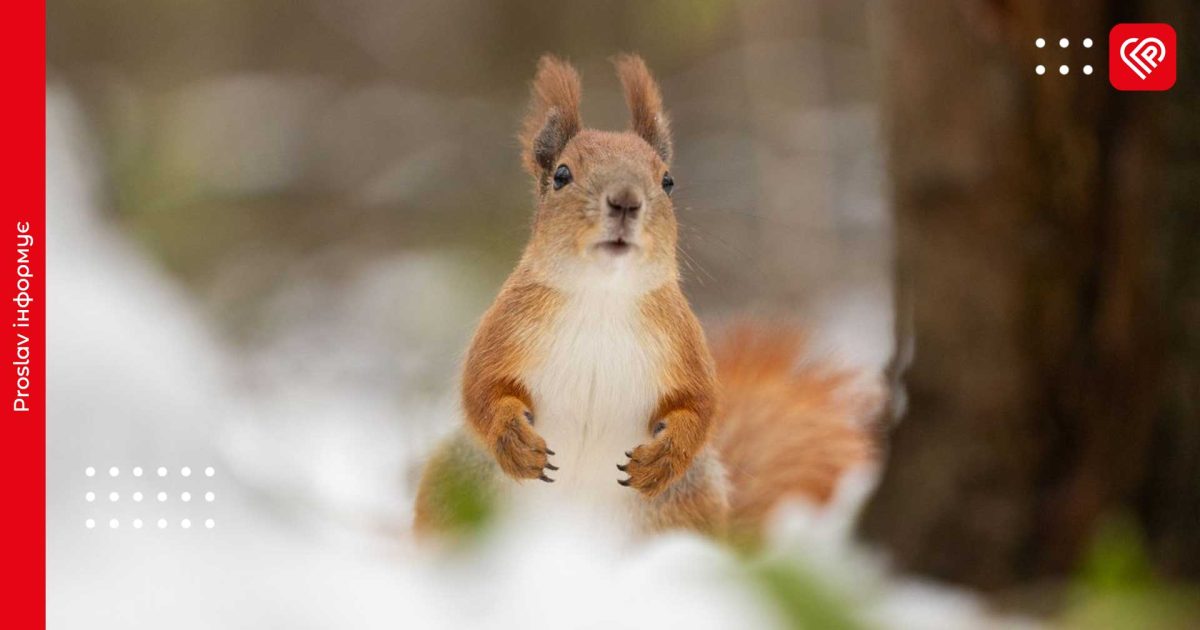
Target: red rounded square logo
1141	57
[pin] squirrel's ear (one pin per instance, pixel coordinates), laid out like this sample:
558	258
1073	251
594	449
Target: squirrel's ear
645	104
553	116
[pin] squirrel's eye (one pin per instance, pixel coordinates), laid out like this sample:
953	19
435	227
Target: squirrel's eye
562	176
668	183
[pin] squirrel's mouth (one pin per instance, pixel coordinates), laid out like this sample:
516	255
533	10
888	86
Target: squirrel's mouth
615	247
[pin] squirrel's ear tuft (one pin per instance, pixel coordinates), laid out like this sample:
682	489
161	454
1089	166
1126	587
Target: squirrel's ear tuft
645	104
553	116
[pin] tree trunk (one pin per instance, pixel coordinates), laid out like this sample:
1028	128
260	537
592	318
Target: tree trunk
1170	497
1030	253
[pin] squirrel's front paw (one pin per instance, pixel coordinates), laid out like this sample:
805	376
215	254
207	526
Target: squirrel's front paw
653	466
520	451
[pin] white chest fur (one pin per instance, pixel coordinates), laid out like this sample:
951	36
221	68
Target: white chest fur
594	390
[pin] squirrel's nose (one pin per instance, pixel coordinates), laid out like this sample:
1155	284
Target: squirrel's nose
624	203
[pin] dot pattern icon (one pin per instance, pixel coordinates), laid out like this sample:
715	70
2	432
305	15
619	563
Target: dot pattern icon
115	497
1064	44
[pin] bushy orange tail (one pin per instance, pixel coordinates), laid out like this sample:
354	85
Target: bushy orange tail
789	428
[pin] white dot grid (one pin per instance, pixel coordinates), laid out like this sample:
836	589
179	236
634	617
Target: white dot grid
1064	43
138	471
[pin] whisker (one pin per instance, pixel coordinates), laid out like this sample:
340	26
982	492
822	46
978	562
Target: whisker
694	266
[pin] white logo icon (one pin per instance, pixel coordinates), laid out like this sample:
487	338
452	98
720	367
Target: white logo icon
1145	56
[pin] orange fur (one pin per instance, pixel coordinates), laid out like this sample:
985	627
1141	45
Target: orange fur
553	116
783	431
681	424
788	429
645	104
567	226
495	400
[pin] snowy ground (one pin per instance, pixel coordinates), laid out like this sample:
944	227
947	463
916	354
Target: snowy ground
313	477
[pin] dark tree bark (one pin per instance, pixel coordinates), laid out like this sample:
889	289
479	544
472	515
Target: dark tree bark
1032	275
1170	497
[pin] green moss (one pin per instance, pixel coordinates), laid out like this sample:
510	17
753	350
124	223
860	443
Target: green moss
1116	588
467	503
803	599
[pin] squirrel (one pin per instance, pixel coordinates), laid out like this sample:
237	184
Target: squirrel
590	382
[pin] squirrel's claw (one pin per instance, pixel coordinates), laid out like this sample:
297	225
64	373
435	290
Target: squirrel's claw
652	467
551	466
519	450
543	477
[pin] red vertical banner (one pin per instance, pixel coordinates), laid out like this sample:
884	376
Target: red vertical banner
23	234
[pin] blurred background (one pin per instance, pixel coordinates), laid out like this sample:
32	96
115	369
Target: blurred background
274	225
252	147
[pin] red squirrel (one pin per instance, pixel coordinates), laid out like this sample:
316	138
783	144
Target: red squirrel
589	380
